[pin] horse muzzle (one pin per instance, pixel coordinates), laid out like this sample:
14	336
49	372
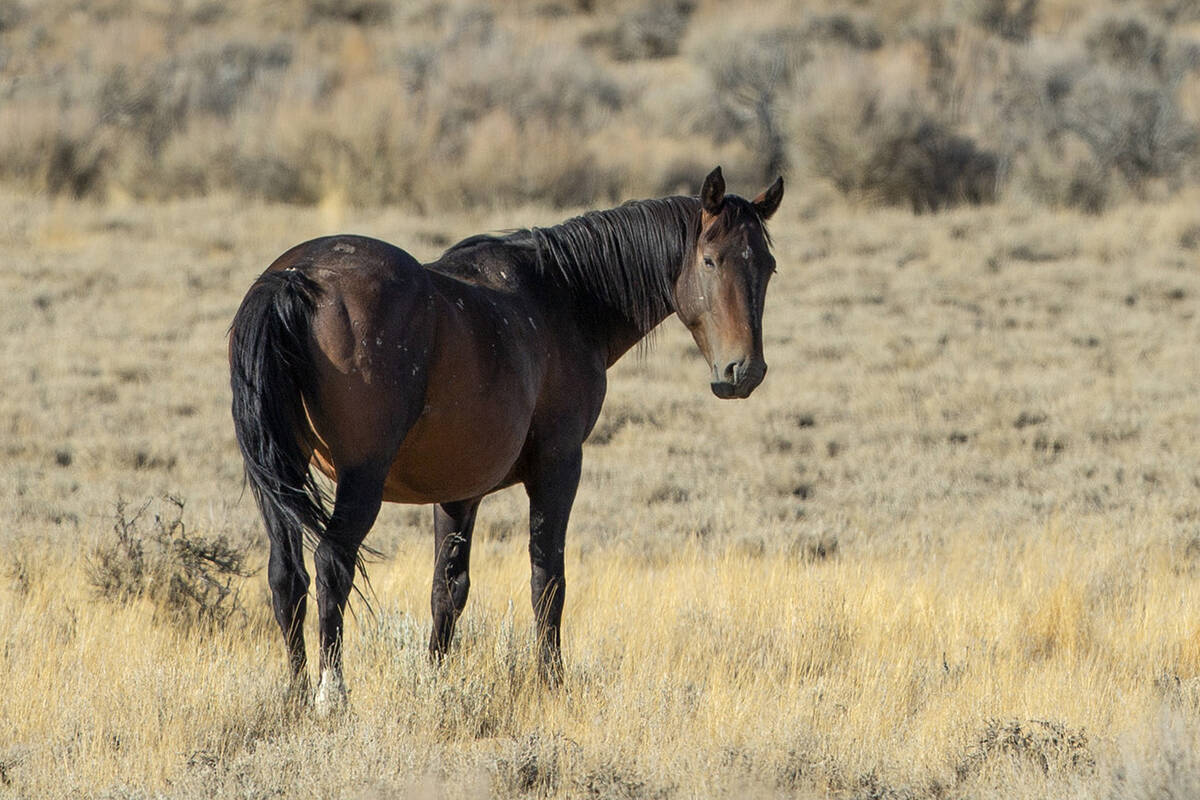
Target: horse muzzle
737	379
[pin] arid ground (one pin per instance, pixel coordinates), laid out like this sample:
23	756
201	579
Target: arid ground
949	548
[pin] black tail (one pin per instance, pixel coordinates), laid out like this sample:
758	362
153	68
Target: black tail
271	366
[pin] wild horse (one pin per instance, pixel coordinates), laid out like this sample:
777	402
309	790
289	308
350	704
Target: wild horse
486	368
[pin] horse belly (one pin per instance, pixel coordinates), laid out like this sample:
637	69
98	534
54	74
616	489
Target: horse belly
458	449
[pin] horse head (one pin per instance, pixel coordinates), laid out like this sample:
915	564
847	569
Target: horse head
722	287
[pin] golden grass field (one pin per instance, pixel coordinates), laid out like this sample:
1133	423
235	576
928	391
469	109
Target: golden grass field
948	549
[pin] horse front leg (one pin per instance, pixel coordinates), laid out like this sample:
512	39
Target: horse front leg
453	524
551	490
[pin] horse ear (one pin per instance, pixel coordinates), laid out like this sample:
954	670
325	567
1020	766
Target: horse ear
712	193
767	202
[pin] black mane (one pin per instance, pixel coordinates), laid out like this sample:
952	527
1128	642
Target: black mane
626	258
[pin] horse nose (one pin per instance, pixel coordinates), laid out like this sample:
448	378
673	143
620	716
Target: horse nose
732	371
737	378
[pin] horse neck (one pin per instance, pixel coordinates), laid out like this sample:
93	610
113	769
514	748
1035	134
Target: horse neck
619	267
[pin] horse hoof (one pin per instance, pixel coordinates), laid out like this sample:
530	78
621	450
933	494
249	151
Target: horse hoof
332	698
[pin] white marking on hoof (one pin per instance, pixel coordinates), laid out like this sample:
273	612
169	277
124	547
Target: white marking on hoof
332	697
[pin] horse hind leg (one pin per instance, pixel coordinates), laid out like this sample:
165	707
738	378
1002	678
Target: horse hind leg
453	524
359	496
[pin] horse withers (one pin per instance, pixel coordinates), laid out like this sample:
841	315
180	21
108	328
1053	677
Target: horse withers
444	382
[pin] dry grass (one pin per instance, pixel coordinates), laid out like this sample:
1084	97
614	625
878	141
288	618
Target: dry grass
949	548
983	671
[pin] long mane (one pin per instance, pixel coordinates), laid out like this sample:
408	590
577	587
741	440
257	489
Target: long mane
626	258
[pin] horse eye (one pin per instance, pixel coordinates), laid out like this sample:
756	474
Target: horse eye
708	262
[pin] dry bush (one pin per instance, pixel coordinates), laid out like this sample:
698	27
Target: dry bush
809	94
752	75
12	13
1095	130
116	139
1132	126
531	768
1166	764
269	122
438	105
1067	177
359	12
1049	746
1080	120
651	30
485	122
157	101
892	150
189	579
857	31
1009	19
749	73
921	163
1128	40
1122	98
51	151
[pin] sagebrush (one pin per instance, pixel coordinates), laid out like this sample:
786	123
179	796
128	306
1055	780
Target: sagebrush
448	106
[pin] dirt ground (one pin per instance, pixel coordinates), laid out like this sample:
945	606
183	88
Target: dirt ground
948	548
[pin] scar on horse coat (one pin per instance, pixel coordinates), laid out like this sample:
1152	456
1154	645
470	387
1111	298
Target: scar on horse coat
441	383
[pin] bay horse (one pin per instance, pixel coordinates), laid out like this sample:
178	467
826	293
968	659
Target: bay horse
442	383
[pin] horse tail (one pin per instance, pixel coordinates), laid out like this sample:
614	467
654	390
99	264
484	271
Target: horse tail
271	368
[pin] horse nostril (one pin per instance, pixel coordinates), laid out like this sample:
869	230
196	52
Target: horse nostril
733	370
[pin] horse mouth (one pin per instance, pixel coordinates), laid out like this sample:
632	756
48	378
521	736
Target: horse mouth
747	383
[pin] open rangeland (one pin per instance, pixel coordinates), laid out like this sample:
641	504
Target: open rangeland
949	548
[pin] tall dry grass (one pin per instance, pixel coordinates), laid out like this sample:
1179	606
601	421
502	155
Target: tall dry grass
1060	664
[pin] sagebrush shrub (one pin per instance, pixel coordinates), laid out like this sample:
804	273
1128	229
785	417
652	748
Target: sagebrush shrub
189	579
652	30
